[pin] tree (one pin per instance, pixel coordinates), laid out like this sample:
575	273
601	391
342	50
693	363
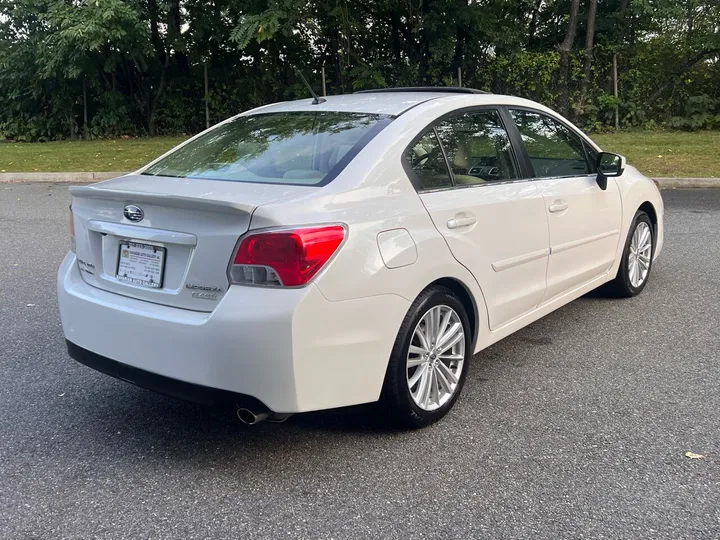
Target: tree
110	67
589	39
565	50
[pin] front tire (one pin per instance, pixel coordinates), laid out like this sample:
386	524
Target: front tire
429	361
634	270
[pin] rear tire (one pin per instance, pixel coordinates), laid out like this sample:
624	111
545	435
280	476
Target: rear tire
636	262
429	361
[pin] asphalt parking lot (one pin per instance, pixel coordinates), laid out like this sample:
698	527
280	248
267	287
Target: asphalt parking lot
575	427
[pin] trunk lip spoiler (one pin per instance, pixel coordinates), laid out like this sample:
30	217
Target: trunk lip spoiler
165	199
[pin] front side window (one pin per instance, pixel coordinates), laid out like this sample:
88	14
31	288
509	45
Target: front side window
282	148
553	149
477	147
428	163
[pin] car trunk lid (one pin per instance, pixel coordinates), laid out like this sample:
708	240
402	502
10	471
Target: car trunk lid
178	252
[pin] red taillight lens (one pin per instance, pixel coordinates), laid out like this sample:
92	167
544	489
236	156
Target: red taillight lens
72	231
285	258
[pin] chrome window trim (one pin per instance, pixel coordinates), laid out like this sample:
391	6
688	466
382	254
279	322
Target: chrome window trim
584	139
432	127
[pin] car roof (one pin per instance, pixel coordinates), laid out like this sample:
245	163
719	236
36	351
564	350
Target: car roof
392	102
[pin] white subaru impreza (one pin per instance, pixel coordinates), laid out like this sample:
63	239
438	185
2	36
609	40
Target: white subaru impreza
317	254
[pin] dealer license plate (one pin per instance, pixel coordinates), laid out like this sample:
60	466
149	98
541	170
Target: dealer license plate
141	264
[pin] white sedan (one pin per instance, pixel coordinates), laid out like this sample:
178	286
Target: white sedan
317	254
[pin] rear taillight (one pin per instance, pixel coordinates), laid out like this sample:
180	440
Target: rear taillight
72	231
284	258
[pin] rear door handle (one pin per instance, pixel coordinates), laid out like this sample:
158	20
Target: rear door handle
558	206
461	220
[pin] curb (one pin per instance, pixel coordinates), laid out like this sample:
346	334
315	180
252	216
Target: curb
57	177
90	177
684	183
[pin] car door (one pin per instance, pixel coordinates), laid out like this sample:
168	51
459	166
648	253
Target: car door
491	215
584	220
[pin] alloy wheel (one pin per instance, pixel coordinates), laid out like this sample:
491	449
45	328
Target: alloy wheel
639	256
435	358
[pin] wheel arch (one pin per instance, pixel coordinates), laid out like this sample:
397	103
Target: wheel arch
466	298
649	209
638	193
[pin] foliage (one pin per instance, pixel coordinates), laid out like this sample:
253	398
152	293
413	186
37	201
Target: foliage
656	153
137	66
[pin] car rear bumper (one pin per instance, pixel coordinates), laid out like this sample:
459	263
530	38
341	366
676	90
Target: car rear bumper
161	384
290	349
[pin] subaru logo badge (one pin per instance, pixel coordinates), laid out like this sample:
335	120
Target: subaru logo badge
133	213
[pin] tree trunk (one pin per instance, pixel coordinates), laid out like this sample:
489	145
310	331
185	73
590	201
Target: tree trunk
459	51
335	54
532	29
589	41
424	45
565	50
174	33
86	128
71	124
152	109
155	31
395	33
214	40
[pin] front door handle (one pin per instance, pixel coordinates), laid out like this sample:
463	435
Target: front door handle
558	206
461	220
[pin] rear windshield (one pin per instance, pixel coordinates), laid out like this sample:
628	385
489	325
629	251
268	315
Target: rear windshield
307	148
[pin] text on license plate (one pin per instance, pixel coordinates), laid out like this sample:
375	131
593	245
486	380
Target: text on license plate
141	264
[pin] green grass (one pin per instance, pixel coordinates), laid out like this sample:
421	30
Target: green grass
657	154
667	154
117	155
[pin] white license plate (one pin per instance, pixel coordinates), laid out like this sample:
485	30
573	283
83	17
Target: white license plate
141	264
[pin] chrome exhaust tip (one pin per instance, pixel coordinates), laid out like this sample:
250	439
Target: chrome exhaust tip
250	418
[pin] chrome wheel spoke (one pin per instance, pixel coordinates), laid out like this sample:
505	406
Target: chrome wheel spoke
442	380
447	372
414	349
416	361
419	372
449	335
434	387
458	335
431	326
423	392
435	359
451	357
442	328
422	338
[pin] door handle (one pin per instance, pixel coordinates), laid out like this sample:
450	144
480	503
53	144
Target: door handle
558	206
461	220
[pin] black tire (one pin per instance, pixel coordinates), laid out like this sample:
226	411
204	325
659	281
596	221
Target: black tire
396	400
621	286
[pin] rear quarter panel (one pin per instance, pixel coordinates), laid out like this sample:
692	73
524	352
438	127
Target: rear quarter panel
372	195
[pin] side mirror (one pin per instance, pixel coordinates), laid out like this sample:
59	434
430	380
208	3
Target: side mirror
609	165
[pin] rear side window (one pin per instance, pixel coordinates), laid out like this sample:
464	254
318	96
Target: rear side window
428	163
553	149
304	148
477	148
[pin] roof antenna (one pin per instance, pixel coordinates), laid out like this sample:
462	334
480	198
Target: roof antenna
316	99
